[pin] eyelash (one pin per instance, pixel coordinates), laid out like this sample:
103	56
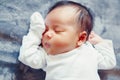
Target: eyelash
55	30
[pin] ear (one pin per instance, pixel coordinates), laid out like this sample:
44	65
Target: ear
82	38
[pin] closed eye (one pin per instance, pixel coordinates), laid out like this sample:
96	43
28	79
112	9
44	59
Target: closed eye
58	30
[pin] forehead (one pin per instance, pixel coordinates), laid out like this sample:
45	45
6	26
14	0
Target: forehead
62	14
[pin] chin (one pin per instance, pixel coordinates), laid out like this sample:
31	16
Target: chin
52	53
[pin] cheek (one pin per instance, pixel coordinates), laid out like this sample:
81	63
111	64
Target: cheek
60	43
64	44
61	47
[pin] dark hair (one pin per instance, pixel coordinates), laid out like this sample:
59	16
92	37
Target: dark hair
84	19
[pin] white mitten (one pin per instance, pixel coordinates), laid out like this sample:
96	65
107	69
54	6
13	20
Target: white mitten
37	24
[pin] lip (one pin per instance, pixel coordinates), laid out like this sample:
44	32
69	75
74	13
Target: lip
46	45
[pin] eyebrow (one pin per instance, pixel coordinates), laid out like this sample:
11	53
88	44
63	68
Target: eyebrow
55	26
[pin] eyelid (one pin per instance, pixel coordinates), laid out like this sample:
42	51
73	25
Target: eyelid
59	30
55	28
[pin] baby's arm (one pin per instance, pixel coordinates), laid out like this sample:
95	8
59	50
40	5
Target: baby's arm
31	53
106	55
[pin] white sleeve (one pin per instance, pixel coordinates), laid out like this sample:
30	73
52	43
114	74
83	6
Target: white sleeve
106	55
31	53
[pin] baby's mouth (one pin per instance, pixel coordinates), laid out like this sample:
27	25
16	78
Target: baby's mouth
46	45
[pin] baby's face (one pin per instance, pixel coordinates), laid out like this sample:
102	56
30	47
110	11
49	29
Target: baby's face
61	33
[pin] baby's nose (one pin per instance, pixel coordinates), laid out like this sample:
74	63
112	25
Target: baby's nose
49	34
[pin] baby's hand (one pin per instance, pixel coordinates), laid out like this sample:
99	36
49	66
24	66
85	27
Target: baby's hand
37	22
94	38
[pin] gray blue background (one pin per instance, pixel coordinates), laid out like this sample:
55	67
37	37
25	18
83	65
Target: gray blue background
14	23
